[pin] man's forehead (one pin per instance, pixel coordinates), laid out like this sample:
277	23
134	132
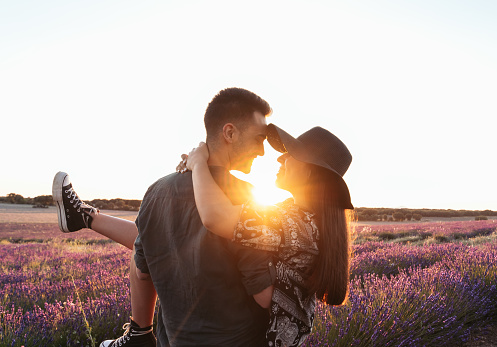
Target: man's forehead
260	123
260	129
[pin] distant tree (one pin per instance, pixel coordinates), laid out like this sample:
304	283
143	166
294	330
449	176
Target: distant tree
19	199
398	216
98	204
363	217
417	216
134	203
14	198
408	216
118	203
10	198
43	200
371	211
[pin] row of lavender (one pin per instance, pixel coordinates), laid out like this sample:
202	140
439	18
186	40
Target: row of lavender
433	231
414	296
401	295
60	294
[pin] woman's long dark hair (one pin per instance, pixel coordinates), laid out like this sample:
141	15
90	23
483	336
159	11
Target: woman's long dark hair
330	279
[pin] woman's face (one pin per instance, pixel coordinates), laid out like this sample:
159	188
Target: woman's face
292	173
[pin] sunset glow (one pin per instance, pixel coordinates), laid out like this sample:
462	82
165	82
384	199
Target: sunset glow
263	177
269	195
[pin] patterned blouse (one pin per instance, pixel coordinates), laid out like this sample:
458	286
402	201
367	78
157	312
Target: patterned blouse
290	233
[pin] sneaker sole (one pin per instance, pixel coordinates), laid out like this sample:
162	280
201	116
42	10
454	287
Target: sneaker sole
57	197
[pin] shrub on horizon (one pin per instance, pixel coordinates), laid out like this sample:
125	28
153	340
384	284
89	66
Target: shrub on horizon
398	216
417	216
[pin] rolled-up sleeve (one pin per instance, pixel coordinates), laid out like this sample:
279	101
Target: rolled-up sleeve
256	267
145	214
140	260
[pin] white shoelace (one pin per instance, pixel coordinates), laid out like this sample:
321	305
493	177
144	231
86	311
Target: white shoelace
126	337
78	203
74	198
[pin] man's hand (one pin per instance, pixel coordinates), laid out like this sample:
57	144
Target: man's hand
198	155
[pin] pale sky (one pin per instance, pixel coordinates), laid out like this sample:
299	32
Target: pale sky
112	92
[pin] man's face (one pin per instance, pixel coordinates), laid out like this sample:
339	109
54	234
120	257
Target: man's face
249	143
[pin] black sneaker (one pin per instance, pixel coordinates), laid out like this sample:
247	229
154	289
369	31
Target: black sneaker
73	214
133	336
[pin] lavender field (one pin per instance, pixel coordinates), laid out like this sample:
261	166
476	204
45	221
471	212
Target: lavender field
420	284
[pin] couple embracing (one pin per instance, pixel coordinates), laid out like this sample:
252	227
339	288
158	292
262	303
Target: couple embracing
226	271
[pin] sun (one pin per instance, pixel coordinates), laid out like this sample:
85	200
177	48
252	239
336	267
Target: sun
263	176
269	195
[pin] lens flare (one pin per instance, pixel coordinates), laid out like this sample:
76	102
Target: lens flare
263	176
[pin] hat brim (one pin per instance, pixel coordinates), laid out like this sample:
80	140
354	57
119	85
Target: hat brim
283	142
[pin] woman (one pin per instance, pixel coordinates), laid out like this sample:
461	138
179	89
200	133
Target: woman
308	235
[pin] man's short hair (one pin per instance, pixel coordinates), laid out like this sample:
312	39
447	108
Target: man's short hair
232	105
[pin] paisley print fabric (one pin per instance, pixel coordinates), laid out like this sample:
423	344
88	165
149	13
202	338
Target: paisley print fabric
290	233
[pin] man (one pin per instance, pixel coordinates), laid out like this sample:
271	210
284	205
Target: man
204	283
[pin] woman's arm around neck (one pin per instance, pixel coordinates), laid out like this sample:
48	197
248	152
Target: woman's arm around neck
216	211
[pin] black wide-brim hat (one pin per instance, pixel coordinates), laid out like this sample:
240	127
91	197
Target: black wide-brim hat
319	147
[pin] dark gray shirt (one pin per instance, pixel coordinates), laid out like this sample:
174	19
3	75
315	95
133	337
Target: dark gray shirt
204	282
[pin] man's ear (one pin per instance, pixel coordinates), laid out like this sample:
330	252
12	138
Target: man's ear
230	132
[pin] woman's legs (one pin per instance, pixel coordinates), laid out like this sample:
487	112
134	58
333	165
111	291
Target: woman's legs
120	230
143	296
74	214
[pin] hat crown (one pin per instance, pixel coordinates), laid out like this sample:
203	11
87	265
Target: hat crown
327	149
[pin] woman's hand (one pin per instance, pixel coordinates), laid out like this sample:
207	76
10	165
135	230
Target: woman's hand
181	168
198	155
